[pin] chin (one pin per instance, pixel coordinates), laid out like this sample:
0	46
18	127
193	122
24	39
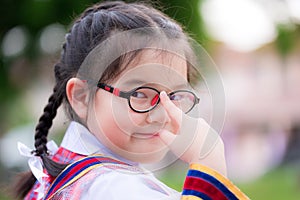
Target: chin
146	158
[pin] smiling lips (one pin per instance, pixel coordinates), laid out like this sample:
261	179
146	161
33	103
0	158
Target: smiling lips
145	135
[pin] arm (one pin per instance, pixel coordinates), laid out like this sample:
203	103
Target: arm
196	143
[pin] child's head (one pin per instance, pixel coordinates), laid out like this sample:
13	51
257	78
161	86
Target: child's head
125	46
116	59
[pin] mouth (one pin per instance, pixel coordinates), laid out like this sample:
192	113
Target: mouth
145	135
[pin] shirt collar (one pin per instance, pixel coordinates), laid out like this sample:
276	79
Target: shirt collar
79	140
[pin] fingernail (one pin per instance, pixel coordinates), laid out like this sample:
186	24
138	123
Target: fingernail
163	94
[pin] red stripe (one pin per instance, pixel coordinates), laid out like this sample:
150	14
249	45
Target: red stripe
79	166
200	185
108	160
65	156
116	91
70	174
106	88
154	100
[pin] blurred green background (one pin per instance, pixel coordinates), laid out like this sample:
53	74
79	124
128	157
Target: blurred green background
255	44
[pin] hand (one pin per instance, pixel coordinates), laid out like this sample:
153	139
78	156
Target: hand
192	139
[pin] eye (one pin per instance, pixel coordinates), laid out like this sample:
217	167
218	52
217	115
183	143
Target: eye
176	97
137	94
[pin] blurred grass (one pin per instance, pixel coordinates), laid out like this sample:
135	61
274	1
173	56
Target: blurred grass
278	184
281	183
3	197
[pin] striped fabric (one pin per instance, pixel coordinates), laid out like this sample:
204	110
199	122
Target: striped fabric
63	156
76	170
204	183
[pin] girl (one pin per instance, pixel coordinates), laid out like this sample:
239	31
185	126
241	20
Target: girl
125	79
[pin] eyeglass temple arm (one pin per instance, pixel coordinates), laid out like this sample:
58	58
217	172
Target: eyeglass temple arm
112	90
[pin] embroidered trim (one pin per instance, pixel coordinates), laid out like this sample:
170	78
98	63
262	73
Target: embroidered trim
206	183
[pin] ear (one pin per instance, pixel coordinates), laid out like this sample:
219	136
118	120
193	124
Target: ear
78	96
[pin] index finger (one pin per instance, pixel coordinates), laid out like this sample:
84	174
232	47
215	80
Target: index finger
173	111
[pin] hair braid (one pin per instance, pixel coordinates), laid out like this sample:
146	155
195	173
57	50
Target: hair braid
26	180
45	122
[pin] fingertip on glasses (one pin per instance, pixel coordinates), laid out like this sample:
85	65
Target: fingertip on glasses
163	95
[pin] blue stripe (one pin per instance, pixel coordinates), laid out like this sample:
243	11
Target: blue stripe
66	171
69	169
196	193
60	177
83	168
213	181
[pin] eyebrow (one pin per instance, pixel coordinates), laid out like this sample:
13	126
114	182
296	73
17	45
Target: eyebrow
138	82
134	82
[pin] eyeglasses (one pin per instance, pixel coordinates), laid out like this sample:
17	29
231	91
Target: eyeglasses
143	99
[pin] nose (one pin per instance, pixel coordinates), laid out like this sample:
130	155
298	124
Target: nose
158	115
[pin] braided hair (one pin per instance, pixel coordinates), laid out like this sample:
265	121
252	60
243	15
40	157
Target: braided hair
94	26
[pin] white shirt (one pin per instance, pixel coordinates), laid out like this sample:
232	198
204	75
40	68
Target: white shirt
114	184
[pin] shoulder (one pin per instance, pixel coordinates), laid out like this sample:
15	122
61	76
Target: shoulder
123	182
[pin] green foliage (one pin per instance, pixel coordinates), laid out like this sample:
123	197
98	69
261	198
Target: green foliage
173	177
188	15
33	15
286	39
4	197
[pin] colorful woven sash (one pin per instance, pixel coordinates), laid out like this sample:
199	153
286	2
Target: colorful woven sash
203	183
76	170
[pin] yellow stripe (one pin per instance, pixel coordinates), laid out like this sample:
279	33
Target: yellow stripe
76	178
81	174
236	191
190	197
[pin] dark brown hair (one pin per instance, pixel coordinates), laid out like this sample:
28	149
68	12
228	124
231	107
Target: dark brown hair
94	26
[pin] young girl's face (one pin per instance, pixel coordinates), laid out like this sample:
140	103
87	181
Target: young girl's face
130	134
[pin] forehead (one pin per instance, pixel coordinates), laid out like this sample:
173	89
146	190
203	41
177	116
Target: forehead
157	67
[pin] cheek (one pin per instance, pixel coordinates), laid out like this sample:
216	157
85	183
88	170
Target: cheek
102	122
126	119
99	113
109	115
129	121
138	119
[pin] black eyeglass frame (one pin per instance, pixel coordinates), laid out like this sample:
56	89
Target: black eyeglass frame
128	94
